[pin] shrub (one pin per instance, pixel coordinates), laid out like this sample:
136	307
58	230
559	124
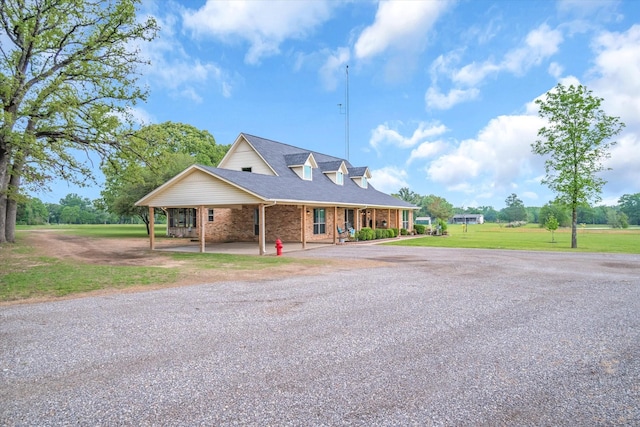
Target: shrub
419	228
380	233
395	232
366	233
403	231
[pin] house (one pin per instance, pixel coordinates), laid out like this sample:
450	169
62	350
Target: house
468	219
264	190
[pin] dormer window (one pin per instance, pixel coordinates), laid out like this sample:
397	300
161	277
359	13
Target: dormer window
339	178
360	176
302	164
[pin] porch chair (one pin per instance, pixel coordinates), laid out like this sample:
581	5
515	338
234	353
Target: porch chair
343	234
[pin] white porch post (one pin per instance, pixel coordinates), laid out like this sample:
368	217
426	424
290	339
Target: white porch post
261	221
152	234
335	225
304	227
203	216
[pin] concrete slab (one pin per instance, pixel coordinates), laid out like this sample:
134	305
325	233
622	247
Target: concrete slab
244	248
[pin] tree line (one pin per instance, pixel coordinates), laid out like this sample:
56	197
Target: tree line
625	213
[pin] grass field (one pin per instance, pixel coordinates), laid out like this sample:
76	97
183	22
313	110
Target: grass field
532	237
27	274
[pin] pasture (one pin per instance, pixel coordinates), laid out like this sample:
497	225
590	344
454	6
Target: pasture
532	237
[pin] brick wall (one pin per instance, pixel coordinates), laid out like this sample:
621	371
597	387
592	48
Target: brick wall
284	222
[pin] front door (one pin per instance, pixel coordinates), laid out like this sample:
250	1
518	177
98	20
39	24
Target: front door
348	219
256	222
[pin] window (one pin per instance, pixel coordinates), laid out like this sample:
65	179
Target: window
339	178
246	169
182	217
210	215
405	220
319	224
306	172
363	183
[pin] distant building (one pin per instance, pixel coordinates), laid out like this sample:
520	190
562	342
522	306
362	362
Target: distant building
468	219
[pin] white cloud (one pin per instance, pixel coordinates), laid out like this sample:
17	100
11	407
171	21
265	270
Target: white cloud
264	25
173	69
555	70
333	69
389	179
426	150
384	135
615	74
398	24
435	99
500	154
539	44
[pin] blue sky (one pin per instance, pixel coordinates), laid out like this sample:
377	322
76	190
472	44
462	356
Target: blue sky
441	93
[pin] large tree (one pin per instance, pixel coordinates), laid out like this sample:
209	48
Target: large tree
514	210
575	143
68	80
168	148
630	205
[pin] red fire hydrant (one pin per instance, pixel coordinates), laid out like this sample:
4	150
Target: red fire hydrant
278	247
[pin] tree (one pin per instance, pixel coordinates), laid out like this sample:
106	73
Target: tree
551	224
32	212
514	210
558	212
168	148
438	207
630	206
67	82
617	219
575	142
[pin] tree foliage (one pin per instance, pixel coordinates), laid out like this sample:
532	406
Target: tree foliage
558	212
67	83
514	210
630	206
551	224
438	207
575	142
168	148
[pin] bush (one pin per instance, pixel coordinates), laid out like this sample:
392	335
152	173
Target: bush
366	233
395	232
403	231
419	228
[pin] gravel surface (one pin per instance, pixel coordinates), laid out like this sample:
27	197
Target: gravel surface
432	337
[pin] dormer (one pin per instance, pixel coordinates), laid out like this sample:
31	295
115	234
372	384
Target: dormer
360	176
335	171
302	164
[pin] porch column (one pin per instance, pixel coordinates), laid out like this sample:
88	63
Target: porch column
152	234
203	216
373	219
304	227
335	225
261	237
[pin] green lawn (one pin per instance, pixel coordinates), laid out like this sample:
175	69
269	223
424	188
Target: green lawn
532	237
24	274
99	230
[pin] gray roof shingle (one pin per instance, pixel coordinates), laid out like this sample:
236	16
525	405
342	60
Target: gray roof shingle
288	185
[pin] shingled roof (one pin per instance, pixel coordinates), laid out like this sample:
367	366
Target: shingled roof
289	187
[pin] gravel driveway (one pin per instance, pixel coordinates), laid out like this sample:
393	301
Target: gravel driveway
433	337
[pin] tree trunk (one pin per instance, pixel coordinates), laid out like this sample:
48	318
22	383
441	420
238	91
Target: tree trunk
12	204
574	228
4	182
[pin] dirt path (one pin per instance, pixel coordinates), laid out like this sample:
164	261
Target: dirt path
135	252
